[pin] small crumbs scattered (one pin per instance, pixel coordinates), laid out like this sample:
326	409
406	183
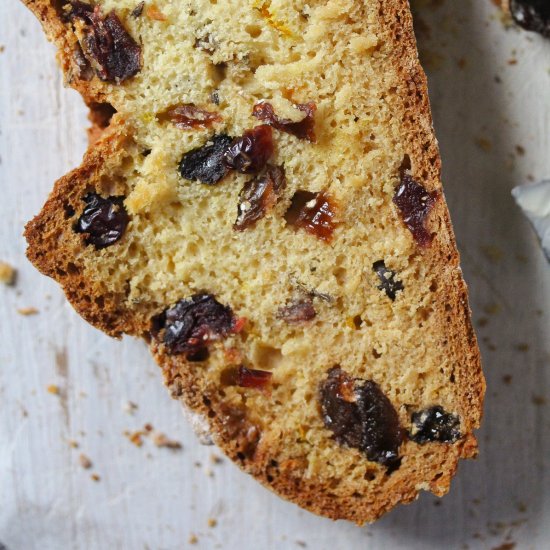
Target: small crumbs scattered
538	400
512	61
484	144
27	311
53	389
8	274
505	546
520	150
130	407
523	347
522	507
482	322
95	477
2	48
507	379
73	444
301	544
135	437
209	472
212	522
437	503
84	461
193	539
161	440
215	459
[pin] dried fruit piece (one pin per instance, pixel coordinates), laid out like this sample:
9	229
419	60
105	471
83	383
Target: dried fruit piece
297	312
206	163
250	152
361	416
434	424
533	15
415	203
388	283
189	116
253	378
152	12
113	53
138	10
304	129
103	221
313	212
193	323
259	196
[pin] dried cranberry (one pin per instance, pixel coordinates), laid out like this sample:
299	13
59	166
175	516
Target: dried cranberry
533	15
313	212
250	152
114	54
415	203
193	323
297	312
304	129
189	116
258	196
205	163
361	416
104	220
434	424
388	283
253	378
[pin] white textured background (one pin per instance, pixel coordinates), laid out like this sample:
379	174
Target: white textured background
485	105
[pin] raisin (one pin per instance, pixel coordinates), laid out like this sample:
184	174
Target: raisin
313	212
388	283
297	312
253	378
205	163
361	416
304	129
533	15
192	324
114	54
434	424
415	203
138	10
258	196
250	152
104	220
189	116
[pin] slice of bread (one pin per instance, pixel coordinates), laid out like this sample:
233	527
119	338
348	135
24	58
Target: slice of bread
264	207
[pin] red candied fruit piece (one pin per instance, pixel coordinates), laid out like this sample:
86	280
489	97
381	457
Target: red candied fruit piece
253	378
250	152
298	311
314	212
190	116
304	129
415	203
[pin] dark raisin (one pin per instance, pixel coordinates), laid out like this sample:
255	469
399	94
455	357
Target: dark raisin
189	116
434	424
206	163
533	15
297	312
361	416
388	282
103	221
250	152
304	129
192	324
113	53
253	378
313	212
259	196
138	10
415	203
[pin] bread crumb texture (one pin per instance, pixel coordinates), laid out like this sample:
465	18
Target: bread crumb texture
381	305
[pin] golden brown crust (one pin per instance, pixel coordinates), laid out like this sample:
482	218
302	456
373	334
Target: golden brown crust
55	252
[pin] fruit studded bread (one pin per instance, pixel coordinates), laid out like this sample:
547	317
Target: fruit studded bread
263	205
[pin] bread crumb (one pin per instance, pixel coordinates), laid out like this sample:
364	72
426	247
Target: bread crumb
215	459
53	389
212	522
73	444
520	150
160	440
148	427
7	274
538	400
27	311
523	347
135	437
507	379
84	461
484	144
95	477
193	539
129	407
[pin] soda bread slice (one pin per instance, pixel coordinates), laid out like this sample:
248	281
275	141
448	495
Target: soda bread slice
263	205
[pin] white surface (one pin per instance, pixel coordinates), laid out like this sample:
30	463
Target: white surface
155	498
